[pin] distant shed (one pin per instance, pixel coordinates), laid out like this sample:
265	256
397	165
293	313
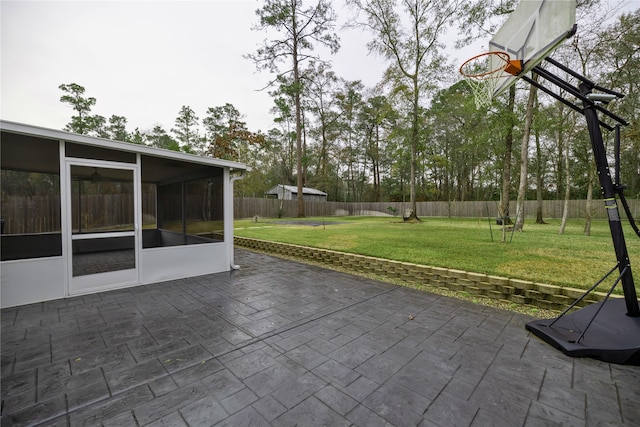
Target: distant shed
290	192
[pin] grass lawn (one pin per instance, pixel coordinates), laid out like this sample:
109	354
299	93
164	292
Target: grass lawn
538	254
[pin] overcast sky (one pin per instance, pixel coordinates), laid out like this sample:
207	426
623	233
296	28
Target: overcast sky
143	60
146	59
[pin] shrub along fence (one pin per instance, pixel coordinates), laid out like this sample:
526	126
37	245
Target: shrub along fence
551	209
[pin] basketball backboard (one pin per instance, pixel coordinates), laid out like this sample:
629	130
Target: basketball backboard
532	31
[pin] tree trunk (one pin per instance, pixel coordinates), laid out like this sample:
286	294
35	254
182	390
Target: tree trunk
567	190
589	205
414	149
303	124
322	170
560	163
539	170
524	157
503	210
296	82
376	166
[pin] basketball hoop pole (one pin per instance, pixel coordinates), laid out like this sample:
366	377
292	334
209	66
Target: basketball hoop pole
602	330
590	109
609	196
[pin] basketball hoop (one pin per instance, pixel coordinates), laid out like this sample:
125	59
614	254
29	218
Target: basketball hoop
483	71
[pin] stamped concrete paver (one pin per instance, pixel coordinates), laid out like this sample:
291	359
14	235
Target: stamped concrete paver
283	343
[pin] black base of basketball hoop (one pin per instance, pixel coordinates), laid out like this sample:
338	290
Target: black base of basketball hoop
612	336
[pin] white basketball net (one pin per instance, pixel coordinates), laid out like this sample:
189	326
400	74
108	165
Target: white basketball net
482	91
482	73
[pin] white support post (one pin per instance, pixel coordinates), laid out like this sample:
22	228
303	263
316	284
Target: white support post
228	214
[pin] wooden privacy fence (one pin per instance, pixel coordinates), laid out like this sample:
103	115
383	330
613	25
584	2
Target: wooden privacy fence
40	214
25	215
551	209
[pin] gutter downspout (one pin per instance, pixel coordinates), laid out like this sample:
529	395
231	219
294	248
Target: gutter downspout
232	179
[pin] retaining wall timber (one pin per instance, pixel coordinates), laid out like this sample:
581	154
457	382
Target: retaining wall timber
550	297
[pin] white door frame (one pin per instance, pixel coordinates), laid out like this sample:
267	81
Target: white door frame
114	279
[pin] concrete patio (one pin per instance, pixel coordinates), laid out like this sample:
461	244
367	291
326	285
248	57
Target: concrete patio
282	343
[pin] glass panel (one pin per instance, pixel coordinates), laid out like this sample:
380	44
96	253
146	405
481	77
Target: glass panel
177	211
204	213
170	207
102	201
91	256
81	151
188	213
30	221
149	202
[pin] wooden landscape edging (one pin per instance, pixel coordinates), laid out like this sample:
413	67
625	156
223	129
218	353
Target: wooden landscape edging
541	295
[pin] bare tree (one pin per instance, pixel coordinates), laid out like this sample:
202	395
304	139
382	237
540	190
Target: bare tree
408	33
299	28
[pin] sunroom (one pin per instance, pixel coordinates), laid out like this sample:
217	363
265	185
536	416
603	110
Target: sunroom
81	215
